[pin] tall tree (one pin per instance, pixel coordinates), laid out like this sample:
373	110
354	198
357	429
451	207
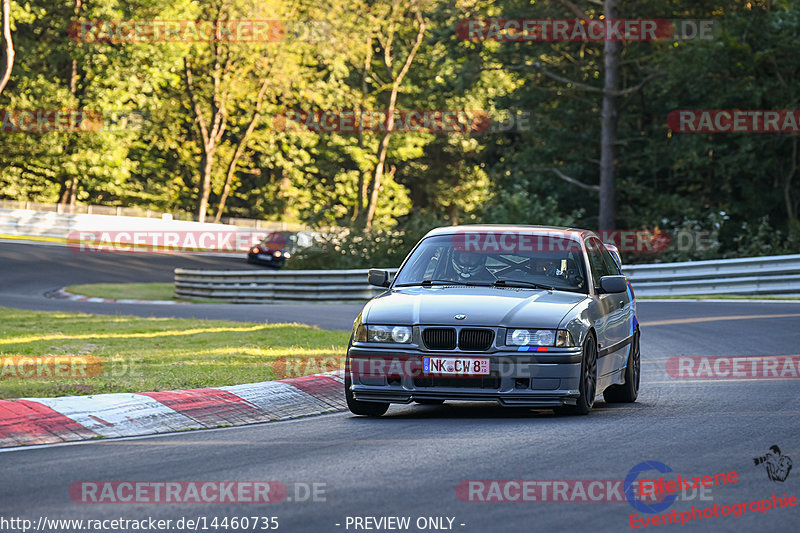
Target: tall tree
400	12
608	131
8	45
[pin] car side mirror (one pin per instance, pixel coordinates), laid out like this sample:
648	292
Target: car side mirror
377	277
613	284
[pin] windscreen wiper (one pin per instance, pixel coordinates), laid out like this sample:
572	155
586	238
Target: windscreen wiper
431	282
520	283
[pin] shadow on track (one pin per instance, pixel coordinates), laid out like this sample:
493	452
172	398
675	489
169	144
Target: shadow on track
490	411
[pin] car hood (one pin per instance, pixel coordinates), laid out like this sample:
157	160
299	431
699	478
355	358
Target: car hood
483	306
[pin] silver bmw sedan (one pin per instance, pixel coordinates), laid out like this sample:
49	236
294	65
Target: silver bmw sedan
521	315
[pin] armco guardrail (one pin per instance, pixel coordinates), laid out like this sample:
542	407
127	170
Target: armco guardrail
56	226
91	232
24	223
90	209
777	274
755	275
259	286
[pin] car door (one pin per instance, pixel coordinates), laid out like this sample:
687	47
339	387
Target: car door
620	321
602	306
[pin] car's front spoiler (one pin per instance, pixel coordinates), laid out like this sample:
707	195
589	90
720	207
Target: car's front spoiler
538	399
535	379
552	355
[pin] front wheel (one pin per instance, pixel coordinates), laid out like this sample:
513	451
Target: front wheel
362	408
628	392
588	383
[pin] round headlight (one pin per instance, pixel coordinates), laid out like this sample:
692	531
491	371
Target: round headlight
521	337
401	334
530	337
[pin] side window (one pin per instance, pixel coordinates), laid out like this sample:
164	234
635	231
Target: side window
594	249
423	263
433	262
611	265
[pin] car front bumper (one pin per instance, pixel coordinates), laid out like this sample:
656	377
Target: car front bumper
533	379
266	259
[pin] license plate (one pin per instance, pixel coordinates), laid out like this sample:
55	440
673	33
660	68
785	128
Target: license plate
461	366
265	256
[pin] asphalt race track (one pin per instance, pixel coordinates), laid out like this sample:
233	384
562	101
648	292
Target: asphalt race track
29	271
410	462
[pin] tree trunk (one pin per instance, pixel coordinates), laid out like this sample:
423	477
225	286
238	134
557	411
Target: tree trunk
63	191
376	181
608	134
791	212
283	192
71	196
209	137
73	191
361	187
207	163
8	46
384	146
240	148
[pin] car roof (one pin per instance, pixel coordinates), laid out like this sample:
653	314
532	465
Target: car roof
516	228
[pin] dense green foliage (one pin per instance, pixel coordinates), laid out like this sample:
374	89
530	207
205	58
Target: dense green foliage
739	189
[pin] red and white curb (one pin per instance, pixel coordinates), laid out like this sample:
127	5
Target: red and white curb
62	294
28	421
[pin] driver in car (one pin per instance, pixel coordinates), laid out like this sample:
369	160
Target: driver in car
471	266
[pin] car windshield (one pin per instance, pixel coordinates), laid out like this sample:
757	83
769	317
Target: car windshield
507	259
279	240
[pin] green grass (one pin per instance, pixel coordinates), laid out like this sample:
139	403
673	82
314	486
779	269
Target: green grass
149	291
147	354
119	291
720	297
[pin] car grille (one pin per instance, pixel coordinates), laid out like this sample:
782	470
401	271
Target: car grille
439	338
488	382
475	339
468	339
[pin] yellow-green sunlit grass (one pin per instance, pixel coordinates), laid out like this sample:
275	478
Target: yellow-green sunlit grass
145	354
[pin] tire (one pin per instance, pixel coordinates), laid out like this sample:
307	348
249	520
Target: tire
588	381
430	402
356	407
628	392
